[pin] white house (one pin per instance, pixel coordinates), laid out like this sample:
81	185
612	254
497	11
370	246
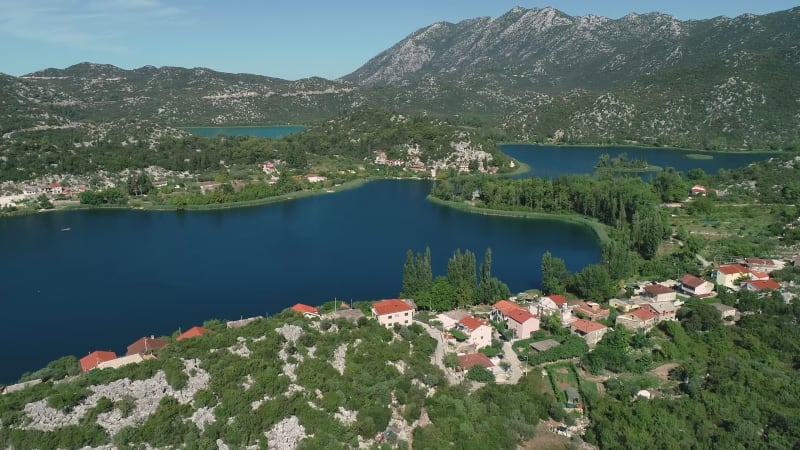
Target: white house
658	293
479	332
695	286
728	274
449	319
552	304
390	312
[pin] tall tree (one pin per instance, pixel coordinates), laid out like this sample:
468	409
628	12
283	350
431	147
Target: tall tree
554	274
462	276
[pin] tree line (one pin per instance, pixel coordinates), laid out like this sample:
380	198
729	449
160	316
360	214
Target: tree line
463	285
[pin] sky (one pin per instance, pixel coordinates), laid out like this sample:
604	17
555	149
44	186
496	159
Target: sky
288	39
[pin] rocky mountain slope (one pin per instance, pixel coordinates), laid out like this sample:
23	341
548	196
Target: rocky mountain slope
533	75
547	50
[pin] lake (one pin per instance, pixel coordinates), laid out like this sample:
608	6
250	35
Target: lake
275	132
552	161
120	275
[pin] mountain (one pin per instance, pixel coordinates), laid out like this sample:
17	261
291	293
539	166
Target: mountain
533	75
547	50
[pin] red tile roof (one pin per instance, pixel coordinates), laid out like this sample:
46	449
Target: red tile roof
305	309
759	275
764	285
146	344
760	262
732	269
91	360
520	315
559	300
644	314
384	307
699	188
193	333
476	359
506	307
586	326
692	281
472	323
657	289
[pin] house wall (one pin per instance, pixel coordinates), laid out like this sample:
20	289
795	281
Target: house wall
632	323
728	280
447	321
523	330
388	320
482	336
594	337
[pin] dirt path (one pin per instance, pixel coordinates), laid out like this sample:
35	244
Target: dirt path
662	372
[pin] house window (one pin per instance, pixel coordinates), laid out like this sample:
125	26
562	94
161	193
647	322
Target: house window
406	313
390	317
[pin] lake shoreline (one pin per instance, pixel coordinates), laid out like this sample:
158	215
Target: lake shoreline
597	228
641	147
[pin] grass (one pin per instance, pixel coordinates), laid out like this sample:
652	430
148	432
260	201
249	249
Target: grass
598	228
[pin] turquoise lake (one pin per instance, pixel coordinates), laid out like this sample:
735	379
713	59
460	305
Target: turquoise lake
120	275
274	132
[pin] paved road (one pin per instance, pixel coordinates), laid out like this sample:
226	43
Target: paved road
510	356
438	355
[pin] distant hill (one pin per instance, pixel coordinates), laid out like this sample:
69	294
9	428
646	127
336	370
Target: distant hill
533	75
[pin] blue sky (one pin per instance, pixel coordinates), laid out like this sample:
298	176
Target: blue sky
289	39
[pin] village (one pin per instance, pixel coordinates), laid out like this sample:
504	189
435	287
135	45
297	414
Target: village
503	342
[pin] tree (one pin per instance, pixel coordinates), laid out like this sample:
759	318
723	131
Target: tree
489	289
44	202
594	282
462	276
139	183
554	274
480	374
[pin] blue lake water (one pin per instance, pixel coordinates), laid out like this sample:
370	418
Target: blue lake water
275	132
550	161
120	275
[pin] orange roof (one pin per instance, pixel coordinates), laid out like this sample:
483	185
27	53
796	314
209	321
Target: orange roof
759	261
91	360
305	309
506	307
692	281
520	315
657	289
732	269
644	314
476	359
384	307
193	333
559	300
472	323
759	275
764	285
146	344
586	326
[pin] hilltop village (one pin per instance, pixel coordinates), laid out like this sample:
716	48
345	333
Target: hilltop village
564	342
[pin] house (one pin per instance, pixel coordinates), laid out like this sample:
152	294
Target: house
545	345
760	285
695	286
479	333
624	304
698	189
475	359
449	319
725	311
659	293
314	178
552	304
642	319
307	311
516	318
92	360
208	187
590	310
390	312
590	331
231	324
728	274
193	333
763	265
146	345
116	363
665	310
53	188
573	398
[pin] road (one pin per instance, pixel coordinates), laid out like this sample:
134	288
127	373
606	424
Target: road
510	356
438	355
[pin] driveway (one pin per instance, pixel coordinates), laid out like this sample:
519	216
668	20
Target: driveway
510	356
438	355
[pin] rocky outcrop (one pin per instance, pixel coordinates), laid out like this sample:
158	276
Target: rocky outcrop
286	434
